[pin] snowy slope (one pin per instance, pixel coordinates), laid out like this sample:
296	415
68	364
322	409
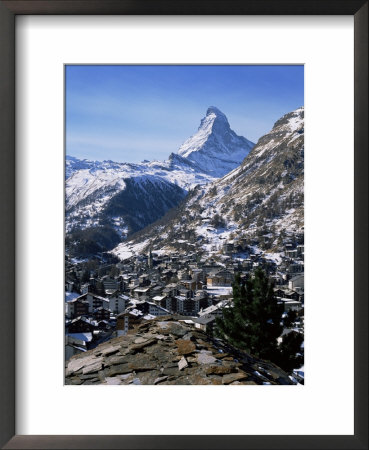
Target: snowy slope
261	199
215	148
73	164
91	185
89	190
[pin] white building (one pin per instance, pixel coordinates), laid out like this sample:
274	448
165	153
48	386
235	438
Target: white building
296	282
118	304
156	310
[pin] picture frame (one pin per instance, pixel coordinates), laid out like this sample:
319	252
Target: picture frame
8	11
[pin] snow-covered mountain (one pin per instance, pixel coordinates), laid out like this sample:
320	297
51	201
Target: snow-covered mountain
90	193
93	186
261	200
215	148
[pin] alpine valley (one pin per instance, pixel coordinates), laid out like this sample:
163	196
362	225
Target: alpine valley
218	186
259	202
189	270
107	201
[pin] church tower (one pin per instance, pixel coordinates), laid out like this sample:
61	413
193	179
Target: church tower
149	259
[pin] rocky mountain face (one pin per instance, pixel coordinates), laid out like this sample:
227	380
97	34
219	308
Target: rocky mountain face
262	198
215	148
127	197
166	350
142	201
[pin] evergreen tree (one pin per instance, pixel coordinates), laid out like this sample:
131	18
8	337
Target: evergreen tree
253	323
290	353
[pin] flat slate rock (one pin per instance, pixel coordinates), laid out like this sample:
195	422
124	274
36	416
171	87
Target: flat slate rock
110	350
94	367
168	351
185	347
113	380
204	358
182	363
160	379
231	377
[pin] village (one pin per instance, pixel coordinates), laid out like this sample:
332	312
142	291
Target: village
106	298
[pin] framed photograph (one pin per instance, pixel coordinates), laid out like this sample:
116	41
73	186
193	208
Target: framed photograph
153	248
168	171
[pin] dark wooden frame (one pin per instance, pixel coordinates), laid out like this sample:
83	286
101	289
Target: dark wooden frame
8	11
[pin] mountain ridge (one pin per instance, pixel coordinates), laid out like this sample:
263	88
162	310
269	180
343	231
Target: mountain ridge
91	186
261	200
215	147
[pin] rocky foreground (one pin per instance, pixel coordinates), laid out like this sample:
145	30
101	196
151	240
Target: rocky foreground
168	351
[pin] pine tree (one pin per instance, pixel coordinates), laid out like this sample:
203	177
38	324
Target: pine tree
290	353
253	323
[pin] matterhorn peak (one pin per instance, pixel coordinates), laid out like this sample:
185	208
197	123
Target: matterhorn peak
215	120
215	148
215	110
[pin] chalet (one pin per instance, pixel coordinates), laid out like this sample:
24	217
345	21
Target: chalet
101	313
77	343
118	303
164	301
76	307
295	268
111	293
81	325
69	285
96	301
133	284
156	310
156	290
110	283
130	319
286	293
103	325
187	306
278	279
86	288
220	278
166	275
204	299
171	289
214	310
205	323
296	282
144	280
122	325
290	305
139	292
197	274
210	268
189	284
93	282
183	292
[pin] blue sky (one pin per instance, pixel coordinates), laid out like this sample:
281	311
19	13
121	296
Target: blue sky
131	113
